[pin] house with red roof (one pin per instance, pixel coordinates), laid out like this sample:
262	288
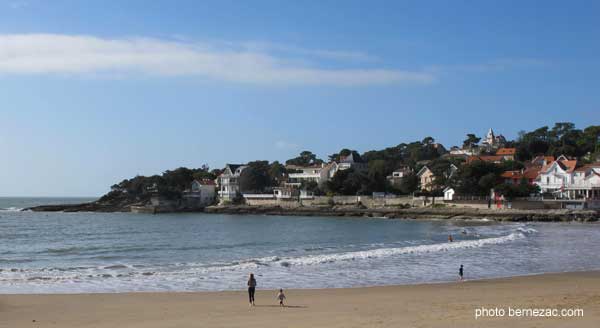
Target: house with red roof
556	176
508	154
529	175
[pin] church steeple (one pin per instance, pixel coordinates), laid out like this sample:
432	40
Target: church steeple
490	138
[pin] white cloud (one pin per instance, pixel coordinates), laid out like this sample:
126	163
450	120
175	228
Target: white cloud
496	65
82	55
320	53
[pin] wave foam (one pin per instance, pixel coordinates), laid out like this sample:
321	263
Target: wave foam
11	209
386	252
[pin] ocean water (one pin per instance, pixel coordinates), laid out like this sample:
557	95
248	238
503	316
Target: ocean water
119	252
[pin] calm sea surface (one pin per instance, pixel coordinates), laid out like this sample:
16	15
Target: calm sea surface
117	252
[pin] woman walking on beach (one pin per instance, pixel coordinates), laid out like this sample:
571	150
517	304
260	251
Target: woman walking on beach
251	288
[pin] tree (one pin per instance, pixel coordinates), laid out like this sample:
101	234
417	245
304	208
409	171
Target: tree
204	172
277	173
409	183
428	141
348	182
377	174
511	191
306	158
476	178
441	169
344	153
311	186
487	181
255	178
471	141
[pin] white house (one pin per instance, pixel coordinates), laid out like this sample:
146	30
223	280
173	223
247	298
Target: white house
556	177
449	193
315	173
564	181
347	162
202	192
585	183
228	181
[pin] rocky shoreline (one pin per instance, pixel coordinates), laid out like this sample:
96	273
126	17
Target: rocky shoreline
447	213
418	213
83	207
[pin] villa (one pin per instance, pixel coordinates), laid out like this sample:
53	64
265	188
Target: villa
492	141
202	192
228	181
555	177
585	182
427	177
347	162
313	173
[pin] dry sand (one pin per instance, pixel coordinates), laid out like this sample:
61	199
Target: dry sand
433	305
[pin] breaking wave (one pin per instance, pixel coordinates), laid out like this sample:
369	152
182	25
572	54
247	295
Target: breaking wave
11	209
386	252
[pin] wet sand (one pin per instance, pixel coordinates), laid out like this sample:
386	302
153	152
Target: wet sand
428	305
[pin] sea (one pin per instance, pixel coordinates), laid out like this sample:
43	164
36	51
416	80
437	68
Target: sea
54	252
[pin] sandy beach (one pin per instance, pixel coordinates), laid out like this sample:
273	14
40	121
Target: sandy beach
430	305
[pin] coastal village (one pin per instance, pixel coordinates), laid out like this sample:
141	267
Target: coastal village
546	169
445	179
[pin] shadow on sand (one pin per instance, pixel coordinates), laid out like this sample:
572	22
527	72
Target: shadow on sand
285	306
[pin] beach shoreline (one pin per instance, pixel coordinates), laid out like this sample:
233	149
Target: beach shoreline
421	305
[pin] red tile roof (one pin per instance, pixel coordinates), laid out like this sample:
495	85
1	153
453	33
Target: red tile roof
206	182
489	158
506	151
588	166
566	164
529	174
512	174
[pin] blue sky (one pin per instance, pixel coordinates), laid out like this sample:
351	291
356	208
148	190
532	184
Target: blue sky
93	92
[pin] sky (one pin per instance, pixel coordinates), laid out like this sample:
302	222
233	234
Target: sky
93	92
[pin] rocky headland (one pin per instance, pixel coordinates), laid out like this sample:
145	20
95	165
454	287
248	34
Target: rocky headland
396	212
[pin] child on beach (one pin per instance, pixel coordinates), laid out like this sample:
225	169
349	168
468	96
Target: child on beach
281	297
460	273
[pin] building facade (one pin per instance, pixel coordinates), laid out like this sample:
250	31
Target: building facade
314	173
228	182
201	193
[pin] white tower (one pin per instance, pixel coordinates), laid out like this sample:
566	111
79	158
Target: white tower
490	138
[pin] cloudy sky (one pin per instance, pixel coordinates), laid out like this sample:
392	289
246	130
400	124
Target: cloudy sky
96	91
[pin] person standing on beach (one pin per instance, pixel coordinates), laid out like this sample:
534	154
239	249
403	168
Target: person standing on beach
281	297
251	288
460	272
